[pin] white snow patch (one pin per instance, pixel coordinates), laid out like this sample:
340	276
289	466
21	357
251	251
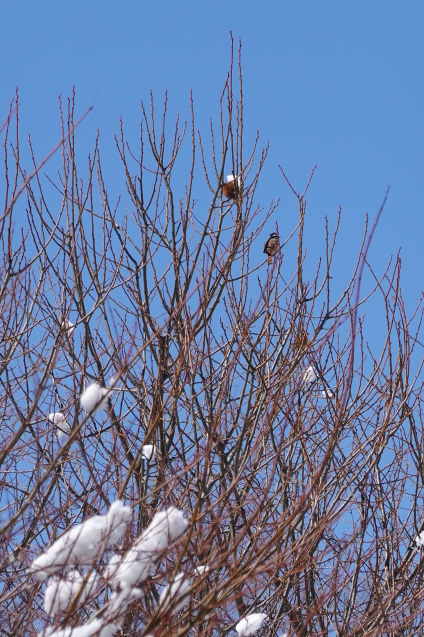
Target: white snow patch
420	539
141	559
112	567
309	376
119	602
148	452
93	627
59	420
68	327
93	398
175	595
83	543
59	593
250	624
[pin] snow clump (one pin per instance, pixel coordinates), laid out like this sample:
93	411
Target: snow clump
140	561
250	624
83	543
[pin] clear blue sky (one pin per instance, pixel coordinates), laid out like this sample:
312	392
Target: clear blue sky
335	83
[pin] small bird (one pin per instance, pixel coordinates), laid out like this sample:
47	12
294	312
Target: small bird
231	187
301	340
271	246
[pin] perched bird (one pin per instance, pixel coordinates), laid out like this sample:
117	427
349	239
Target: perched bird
231	187
271	246
300	340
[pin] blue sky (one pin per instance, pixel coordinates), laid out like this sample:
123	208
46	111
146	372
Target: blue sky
335	83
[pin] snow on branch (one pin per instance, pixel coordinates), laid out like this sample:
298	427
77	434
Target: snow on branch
60	422
175	595
250	624
83	543
140	561
94	398
59	593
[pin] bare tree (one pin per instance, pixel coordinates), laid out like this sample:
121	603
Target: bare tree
239	391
